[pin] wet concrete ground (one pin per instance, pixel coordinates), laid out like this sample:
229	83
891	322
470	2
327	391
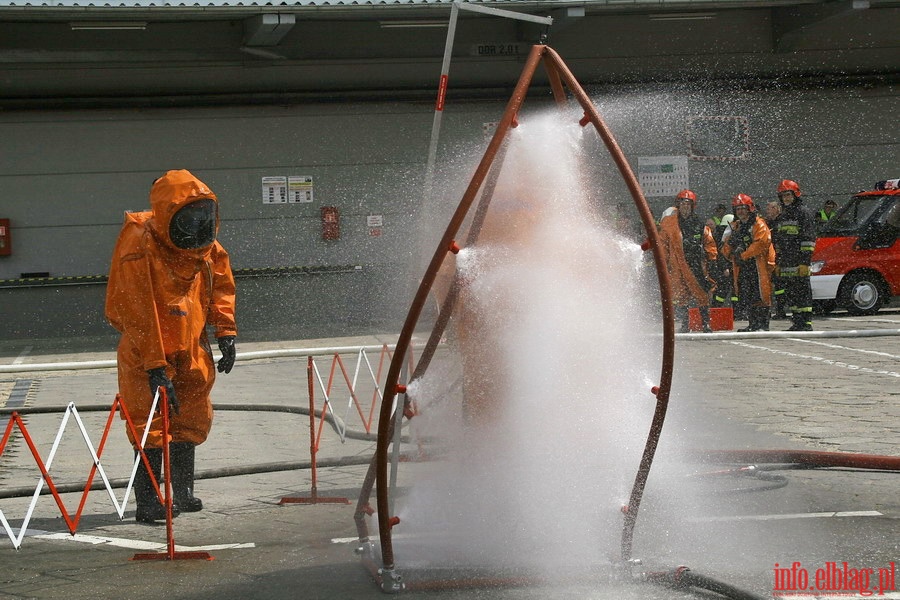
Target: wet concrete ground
836	394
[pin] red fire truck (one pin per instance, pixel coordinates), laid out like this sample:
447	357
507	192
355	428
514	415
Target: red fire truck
856	263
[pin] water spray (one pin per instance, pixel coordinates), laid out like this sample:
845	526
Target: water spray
397	404
559	76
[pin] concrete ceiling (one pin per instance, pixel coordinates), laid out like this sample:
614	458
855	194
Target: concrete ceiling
68	52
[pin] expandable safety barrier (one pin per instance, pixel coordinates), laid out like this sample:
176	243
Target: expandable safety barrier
339	381
366	415
71	411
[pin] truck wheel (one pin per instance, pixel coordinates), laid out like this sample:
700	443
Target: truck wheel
862	293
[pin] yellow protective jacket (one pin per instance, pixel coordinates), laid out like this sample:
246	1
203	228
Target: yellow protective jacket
161	298
683	279
756	245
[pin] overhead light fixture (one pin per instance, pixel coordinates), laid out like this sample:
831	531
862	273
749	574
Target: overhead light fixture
692	16
412	24
107	25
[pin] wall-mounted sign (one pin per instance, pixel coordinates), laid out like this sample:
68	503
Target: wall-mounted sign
496	49
300	188
274	190
662	175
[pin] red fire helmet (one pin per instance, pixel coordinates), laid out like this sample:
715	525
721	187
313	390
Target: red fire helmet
743	200
788	185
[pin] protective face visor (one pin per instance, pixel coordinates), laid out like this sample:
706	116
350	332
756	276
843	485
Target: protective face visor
194	225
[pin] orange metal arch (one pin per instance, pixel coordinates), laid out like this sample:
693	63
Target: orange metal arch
559	76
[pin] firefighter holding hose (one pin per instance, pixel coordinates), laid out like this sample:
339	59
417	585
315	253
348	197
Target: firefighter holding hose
750	248
170	279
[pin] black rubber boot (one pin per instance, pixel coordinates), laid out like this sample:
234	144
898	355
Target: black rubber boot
800	322
762	320
780	313
752	319
182	460
149	508
704	318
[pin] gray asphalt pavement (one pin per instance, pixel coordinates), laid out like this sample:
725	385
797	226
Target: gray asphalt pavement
804	391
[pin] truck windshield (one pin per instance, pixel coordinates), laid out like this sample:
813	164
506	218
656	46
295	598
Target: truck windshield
850	219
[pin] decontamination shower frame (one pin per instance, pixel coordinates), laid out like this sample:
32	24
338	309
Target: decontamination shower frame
559	76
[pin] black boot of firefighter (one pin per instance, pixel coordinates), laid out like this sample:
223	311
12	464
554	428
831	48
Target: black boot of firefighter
763	318
149	508
182	462
704	318
800	322
752	320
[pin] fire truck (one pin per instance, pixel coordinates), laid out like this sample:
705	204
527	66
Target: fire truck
856	263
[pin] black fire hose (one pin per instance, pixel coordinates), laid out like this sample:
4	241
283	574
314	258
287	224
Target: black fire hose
684	578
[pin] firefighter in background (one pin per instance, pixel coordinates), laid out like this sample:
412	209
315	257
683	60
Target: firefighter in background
168	280
773	213
829	209
749	247
719	215
722	294
795	240
689	250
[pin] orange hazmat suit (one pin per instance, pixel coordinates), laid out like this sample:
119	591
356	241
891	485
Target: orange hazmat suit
685	286
161	297
757	246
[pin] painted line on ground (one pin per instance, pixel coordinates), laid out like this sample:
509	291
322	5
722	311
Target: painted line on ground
821	359
837	347
776	517
130	544
23	355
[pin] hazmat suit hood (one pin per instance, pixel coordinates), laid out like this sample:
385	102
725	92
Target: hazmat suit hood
170	194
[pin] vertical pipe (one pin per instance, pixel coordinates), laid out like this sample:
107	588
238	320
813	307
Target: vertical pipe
167	480
385	416
442	94
312	426
665	290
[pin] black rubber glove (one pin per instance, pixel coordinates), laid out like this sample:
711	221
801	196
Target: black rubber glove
159	379
226	347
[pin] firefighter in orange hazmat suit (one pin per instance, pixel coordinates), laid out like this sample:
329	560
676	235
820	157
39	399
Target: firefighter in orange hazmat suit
752	259
168	280
689	250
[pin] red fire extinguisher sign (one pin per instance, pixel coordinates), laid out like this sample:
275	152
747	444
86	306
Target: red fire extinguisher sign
331	223
5	239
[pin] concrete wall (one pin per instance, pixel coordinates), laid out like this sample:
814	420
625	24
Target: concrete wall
67	176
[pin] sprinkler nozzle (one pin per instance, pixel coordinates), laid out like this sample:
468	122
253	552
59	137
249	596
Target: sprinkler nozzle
645	245
583	121
400	389
654	390
393	521
454	247
515	121
625	508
